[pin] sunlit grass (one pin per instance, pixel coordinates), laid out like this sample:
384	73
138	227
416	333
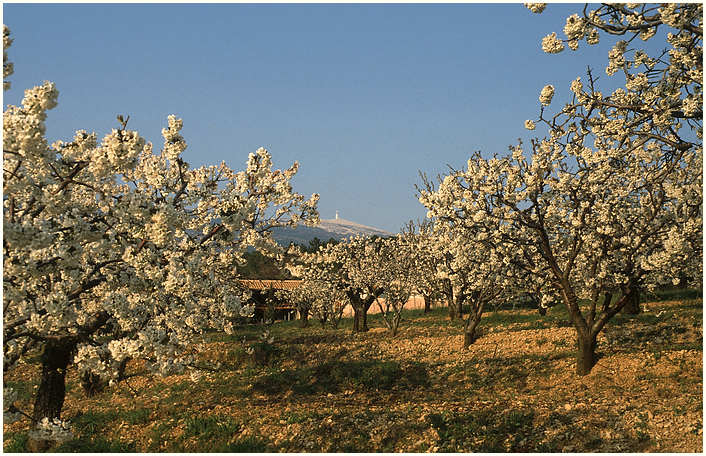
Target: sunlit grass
344	390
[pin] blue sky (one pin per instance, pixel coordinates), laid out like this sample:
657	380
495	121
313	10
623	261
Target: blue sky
364	96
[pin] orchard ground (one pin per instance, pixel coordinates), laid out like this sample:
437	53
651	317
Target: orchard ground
320	390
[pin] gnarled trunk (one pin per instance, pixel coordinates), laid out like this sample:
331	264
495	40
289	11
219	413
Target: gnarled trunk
469	333
360	307
303	317
455	310
633	305
427	303
360	318
52	388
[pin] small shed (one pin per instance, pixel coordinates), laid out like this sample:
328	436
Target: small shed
266	303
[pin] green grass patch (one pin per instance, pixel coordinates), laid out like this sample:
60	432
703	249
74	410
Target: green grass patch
528	321
338	376
16	442
303	417
95	445
250	444
676	295
136	416
91	424
489	430
211	428
25	390
90	431
159	434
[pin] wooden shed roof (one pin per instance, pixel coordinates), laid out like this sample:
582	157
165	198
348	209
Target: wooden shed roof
261	284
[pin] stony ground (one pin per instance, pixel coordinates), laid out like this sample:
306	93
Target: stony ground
321	390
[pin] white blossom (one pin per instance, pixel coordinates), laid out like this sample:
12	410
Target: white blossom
54	430
612	197
547	94
575	28
119	235
248	310
267	337
536	7
593	37
551	44
196	376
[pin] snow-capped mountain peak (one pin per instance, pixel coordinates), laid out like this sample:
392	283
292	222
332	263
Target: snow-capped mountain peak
347	228
330	228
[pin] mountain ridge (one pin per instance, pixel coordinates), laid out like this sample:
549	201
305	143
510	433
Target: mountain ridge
337	229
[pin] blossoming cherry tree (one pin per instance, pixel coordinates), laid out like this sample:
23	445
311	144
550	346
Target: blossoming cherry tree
114	251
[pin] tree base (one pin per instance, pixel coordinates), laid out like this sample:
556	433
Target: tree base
633	306
39	446
469	339
586	358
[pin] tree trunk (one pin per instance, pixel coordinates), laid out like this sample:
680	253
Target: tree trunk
586	358
361	306
455	311
585	336
360	318
52	388
469	333
427	304
468	339
608	297
633	305
335	317
303	317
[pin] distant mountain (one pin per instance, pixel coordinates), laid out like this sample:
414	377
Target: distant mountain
327	229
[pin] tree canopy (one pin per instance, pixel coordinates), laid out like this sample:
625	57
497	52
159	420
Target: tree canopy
611	201
115	251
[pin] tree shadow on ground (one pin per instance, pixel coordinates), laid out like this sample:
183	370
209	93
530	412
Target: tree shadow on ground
339	376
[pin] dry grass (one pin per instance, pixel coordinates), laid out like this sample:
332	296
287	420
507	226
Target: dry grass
329	391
